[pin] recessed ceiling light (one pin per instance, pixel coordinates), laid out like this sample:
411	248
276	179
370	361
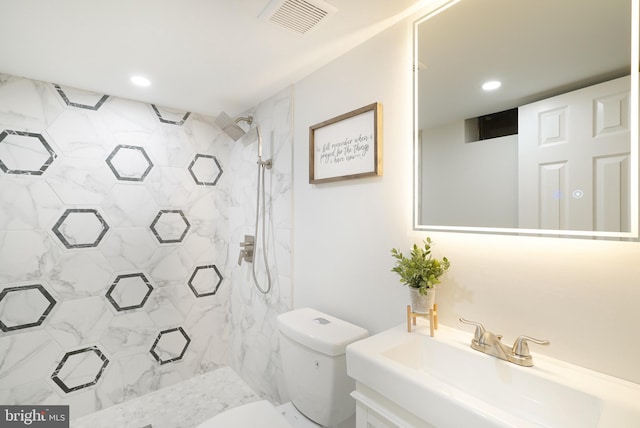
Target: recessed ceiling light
491	85
140	81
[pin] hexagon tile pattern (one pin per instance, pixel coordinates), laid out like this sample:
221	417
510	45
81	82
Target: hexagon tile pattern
80	228
129	291
205	170
94	107
19	150
170	226
170	345
129	163
169	121
38	302
80	369
205	280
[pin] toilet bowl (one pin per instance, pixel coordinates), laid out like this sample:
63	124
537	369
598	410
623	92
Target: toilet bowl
312	350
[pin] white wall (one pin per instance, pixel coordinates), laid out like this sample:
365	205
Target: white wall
582	295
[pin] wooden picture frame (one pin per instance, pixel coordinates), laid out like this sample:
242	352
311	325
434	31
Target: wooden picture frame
347	146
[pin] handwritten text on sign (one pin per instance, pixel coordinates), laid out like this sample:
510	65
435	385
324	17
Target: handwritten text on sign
345	151
346	147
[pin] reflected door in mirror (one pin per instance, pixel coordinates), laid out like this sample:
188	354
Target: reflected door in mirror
573	160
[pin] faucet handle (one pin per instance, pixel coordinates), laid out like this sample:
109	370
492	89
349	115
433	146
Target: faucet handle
480	330
249	241
521	347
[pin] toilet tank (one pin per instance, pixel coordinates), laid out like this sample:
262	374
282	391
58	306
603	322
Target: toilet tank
312	348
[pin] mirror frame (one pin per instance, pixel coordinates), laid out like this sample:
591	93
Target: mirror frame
441	6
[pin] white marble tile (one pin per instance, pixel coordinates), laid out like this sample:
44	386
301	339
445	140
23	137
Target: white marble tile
26	306
170	146
77	275
27	105
129	205
128	248
27	357
129	291
183	405
80	183
129	334
179	296
130	122
236	325
86	400
170	116
170	265
206	170
208	204
207	137
27	204
37	392
142	374
170	187
253	325
25	152
79	321
161	309
208	328
207	246
81	133
25	255
130	163
170	226
81	369
80	98
80	228
171	345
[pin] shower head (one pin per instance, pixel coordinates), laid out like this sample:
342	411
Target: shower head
230	126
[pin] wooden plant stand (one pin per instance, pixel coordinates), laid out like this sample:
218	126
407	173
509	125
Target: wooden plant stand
432	316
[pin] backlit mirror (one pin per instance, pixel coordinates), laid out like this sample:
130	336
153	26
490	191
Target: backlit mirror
554	149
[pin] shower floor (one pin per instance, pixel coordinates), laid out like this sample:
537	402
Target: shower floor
184	405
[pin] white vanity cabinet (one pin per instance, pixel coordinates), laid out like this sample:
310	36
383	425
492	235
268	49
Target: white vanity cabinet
375	411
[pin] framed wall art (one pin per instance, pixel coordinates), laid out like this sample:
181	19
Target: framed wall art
347	146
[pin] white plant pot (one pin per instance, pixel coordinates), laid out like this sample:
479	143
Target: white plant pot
420	303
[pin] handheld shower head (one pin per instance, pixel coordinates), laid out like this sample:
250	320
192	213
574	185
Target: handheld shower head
230	126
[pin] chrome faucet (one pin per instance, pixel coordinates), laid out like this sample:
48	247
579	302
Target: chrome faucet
491	344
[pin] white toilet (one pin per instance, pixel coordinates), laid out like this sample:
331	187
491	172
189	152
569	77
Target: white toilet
312	348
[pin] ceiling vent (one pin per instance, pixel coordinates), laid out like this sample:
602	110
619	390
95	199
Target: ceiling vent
300	16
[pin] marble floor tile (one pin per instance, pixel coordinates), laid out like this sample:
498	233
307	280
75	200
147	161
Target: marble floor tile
184	405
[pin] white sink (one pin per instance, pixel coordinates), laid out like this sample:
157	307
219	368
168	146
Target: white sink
445	383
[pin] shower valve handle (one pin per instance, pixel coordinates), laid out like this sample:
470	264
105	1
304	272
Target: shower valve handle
246	252
249	241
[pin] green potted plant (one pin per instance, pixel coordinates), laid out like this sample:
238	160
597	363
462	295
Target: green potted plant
420	272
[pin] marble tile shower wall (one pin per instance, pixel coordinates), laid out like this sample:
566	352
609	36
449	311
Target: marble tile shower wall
253	340
114	246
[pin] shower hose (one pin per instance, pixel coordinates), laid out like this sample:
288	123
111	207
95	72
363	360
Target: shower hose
262	166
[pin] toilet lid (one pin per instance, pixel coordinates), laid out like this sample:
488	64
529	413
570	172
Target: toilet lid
260	414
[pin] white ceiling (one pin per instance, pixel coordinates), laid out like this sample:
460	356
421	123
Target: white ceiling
203	56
